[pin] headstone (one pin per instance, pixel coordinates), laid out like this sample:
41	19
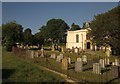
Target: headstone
78	66
113	63
105	61
32	54
102	63
95	47
116	62
65	64
79	59
115	70
58	59
76	50
84	58
107	53
36	54
108	61
80	49
53	48
69	60
61	56
53	55
62	49
97	68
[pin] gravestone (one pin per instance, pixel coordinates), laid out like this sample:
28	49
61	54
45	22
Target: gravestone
53	48
102	63
95	47
69	60
108	61
84	58
53	55
62	50
115	70
61	56
58	59
76	50
36	53
78	66
116	62
65	64
113	63
80	49
105	61
97	68
79	59
32	54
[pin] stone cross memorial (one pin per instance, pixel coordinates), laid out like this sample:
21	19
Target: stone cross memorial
42	52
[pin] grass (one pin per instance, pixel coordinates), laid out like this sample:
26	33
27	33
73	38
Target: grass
87	75
16	69
32	73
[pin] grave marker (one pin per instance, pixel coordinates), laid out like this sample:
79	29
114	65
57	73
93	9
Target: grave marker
53	55
79	59
78	66
102	63
84	58
65	64
97	68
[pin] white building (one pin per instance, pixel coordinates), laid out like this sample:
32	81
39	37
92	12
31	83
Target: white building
78	38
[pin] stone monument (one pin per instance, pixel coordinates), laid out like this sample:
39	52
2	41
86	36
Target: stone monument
65	64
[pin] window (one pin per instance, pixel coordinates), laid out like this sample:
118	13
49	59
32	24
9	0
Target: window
77	38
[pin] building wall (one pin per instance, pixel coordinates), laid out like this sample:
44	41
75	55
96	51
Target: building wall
71	39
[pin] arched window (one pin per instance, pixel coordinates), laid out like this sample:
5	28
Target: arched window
77	38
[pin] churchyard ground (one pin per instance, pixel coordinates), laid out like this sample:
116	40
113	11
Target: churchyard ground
15	69
38	75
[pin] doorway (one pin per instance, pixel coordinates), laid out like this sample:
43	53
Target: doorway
88	45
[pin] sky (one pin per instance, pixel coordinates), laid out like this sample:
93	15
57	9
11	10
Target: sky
35	14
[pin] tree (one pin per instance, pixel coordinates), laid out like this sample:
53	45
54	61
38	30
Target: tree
38	39
55	29
11	33
74	27
27	36
106	29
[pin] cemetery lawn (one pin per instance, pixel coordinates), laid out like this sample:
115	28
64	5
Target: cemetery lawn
87	74
16	69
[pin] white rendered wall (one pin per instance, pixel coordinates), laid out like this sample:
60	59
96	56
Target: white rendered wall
71	39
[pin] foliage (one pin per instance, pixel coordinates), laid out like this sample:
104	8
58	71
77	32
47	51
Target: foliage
27	36
74	27
38	38
106	29
11	33
55	30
